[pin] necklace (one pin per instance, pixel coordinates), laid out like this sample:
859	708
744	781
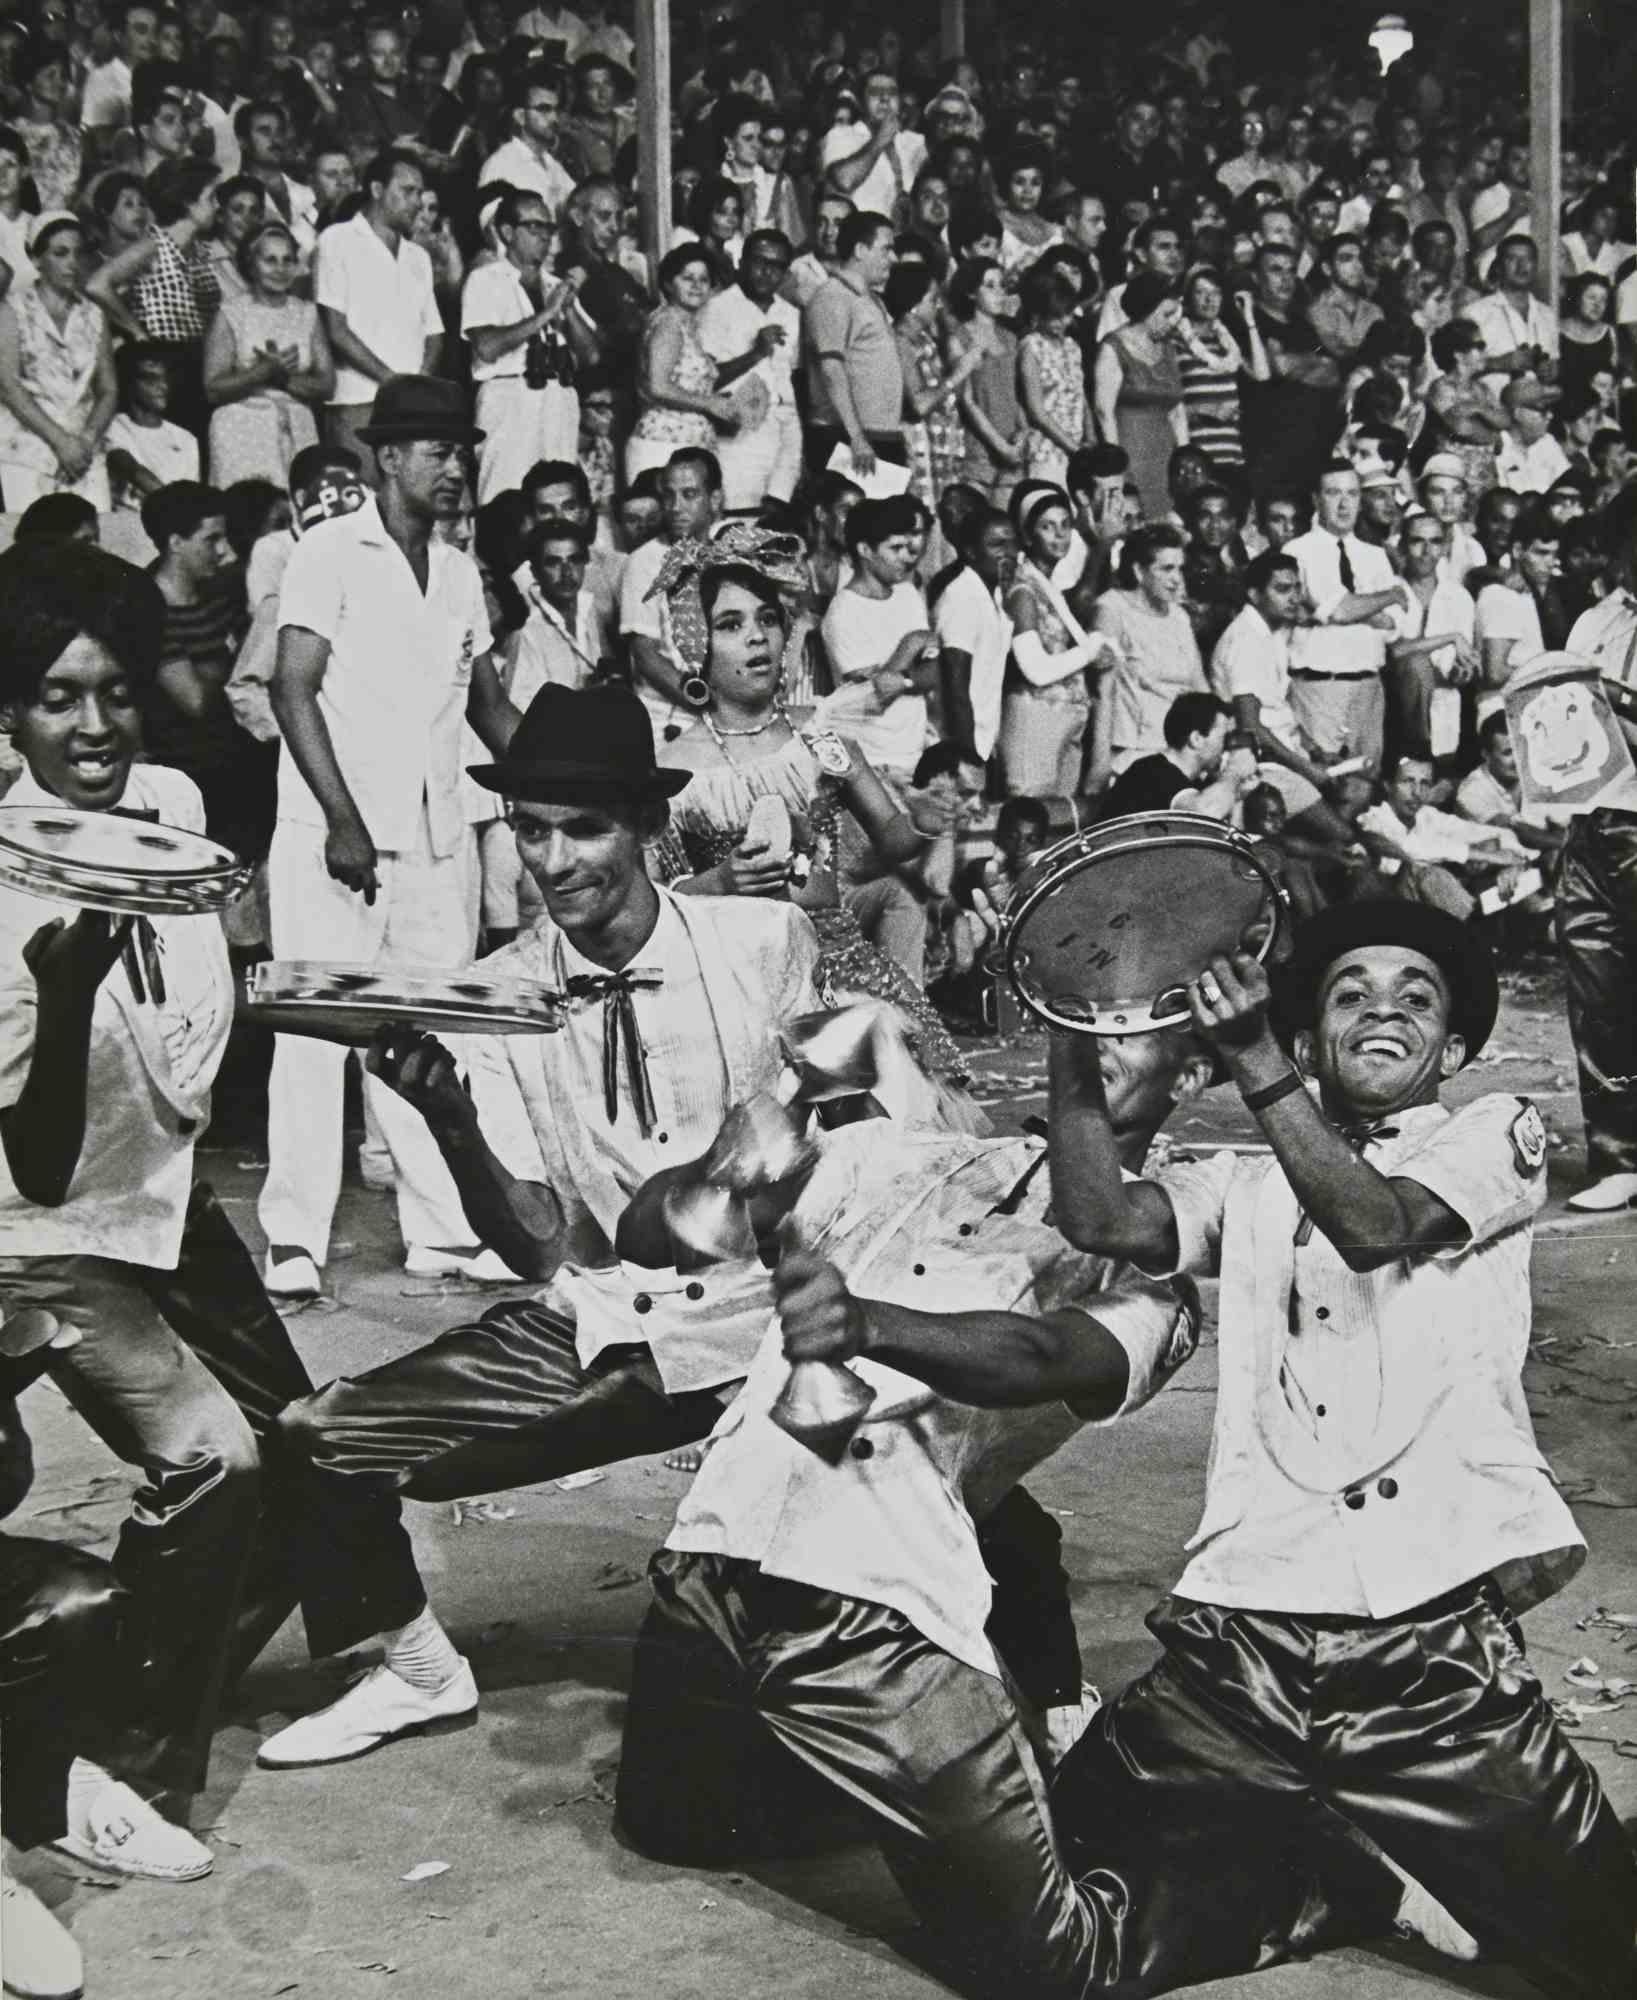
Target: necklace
780	714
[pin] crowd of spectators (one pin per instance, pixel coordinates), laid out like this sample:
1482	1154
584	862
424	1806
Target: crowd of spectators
1171	428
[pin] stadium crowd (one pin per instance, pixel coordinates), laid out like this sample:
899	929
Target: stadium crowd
1112	426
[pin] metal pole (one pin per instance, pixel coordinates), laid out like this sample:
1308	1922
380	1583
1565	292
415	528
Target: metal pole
653	38
953	23
1546	71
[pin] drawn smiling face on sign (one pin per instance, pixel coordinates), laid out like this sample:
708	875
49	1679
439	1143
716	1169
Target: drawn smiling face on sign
1565	742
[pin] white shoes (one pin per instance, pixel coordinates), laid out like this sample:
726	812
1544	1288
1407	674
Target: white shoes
291	1277
373	1711
1612	1191
127	1837
483	1267
38	1958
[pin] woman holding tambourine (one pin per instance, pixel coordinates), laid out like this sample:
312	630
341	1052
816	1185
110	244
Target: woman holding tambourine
111	1030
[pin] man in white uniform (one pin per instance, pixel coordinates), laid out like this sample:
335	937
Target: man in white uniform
1343	1644
875	162
383	656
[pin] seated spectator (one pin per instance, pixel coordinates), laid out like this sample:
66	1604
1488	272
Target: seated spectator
145	450
1263	816
1490	795
879	641
1196	772
1158	655
63	515
1529	459
1434	650
1214	563
1431	856
1523	615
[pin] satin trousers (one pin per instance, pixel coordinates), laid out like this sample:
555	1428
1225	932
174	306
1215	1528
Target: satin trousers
181	1373
60	1677
746	1688
505	1402
1597	936
1428	1733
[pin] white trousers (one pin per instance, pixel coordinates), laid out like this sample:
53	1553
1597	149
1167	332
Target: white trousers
763	464
521	427
424	914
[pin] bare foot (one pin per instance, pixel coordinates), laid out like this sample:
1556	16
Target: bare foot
688	1459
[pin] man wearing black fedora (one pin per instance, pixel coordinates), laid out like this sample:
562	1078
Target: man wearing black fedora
676	1006
1343	1643
383	658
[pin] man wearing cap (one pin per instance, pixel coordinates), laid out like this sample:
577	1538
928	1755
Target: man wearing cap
676	1017
1597	897
1445	494
1343	1644
1530	459
1337	656
383	656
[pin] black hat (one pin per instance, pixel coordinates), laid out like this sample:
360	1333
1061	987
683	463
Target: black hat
410	408
1455	948
580	747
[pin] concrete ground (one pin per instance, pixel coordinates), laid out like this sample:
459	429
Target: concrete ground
522	1891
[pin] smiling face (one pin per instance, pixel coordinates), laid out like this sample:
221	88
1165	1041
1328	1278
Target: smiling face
81	730
690	288
274	266
1382	1038
586	861
746	656
1214	522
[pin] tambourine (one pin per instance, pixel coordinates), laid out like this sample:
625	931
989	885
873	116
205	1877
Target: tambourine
1107	929
348	1003
122	864
751	398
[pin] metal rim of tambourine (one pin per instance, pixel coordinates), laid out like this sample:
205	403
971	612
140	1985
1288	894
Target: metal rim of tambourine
343	1002
1133	833
205	879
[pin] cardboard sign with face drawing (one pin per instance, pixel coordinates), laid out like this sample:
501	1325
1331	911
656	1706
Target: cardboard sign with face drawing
1571	753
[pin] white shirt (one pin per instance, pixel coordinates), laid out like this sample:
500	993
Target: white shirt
107	98
1505	328
1607	260
971	619
398	678
878	192
1505	613
164	449
1625	302
542	25
1530	468
1338	649
730	970
387	300
1372	1446
549	652
494	295
911	1221
522	167
729	325
1449	609
642	616
1436	836
149	1072
807	276
1608	634
14	252
1251	658
860	635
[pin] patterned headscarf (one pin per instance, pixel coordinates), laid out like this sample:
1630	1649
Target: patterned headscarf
780	558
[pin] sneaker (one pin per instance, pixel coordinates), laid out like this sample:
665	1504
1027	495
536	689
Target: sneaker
483	1267
127	1837
1612	1191
375	1710
38	1958
291	1274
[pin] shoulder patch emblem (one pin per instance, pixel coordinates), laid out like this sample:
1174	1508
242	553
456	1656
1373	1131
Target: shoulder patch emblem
829	752
1529	1141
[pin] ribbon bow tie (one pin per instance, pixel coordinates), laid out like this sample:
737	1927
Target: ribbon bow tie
620	1031
140	953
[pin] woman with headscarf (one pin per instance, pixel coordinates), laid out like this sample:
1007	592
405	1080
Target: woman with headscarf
1047	705
57	388
763	813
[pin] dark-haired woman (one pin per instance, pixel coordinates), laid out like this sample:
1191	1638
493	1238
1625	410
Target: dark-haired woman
676	378
1051	377
111	1031
57	388
933	434
752	749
